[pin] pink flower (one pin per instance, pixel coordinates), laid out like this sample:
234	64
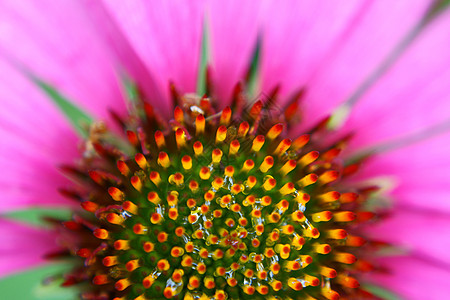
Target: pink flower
379	68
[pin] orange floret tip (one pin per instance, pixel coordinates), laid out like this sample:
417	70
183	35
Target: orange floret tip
329	197
308	158
322	248
132	265
275	131
348	198
159	139
122	284
295	284
163	265
345	258
123	168
198	148
114	218
101	233
140	229
348	281
141	161
292	109
132	138
136	183
89	206
205	173
299	142
243	129
109	261
256	109
323	216
364	216
148	247
266	164
121	245
178	115
327	272
355	241
308	180
221	134
282	147
337	234
180	138
328	176
116	194
344	216
130	207
162	237
288	167
258	142
84	252
216	155
169	292
199	125
163	159
331	154
100	280
331	295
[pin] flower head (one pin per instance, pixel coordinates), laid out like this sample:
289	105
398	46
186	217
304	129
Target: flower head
270	181
217	204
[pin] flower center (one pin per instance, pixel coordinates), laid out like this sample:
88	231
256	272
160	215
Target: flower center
217	205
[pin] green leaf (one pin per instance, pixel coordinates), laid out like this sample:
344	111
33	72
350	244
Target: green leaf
79	119
131	89
35	216
438	7
28	285
204	57
381	292
252	79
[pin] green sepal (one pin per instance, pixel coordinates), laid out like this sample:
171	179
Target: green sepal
35	216
30	285
381	292
253	73
77	117
204	58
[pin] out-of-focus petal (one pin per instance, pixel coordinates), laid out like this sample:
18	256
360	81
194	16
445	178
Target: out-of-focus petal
343	47
233	34
53	40
166	35
423	233
23	247
35	140
420	170
413	279
297	36
413	95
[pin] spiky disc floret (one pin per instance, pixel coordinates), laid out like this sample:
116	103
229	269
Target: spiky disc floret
217	206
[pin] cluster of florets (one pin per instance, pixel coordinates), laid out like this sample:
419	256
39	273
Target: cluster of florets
217	205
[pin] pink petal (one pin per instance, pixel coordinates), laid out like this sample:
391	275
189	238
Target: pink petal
420	232
166	36
297	36
345	44
23	247
35	140
412	96
54	40
413	278
127	61
232	30
420	172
